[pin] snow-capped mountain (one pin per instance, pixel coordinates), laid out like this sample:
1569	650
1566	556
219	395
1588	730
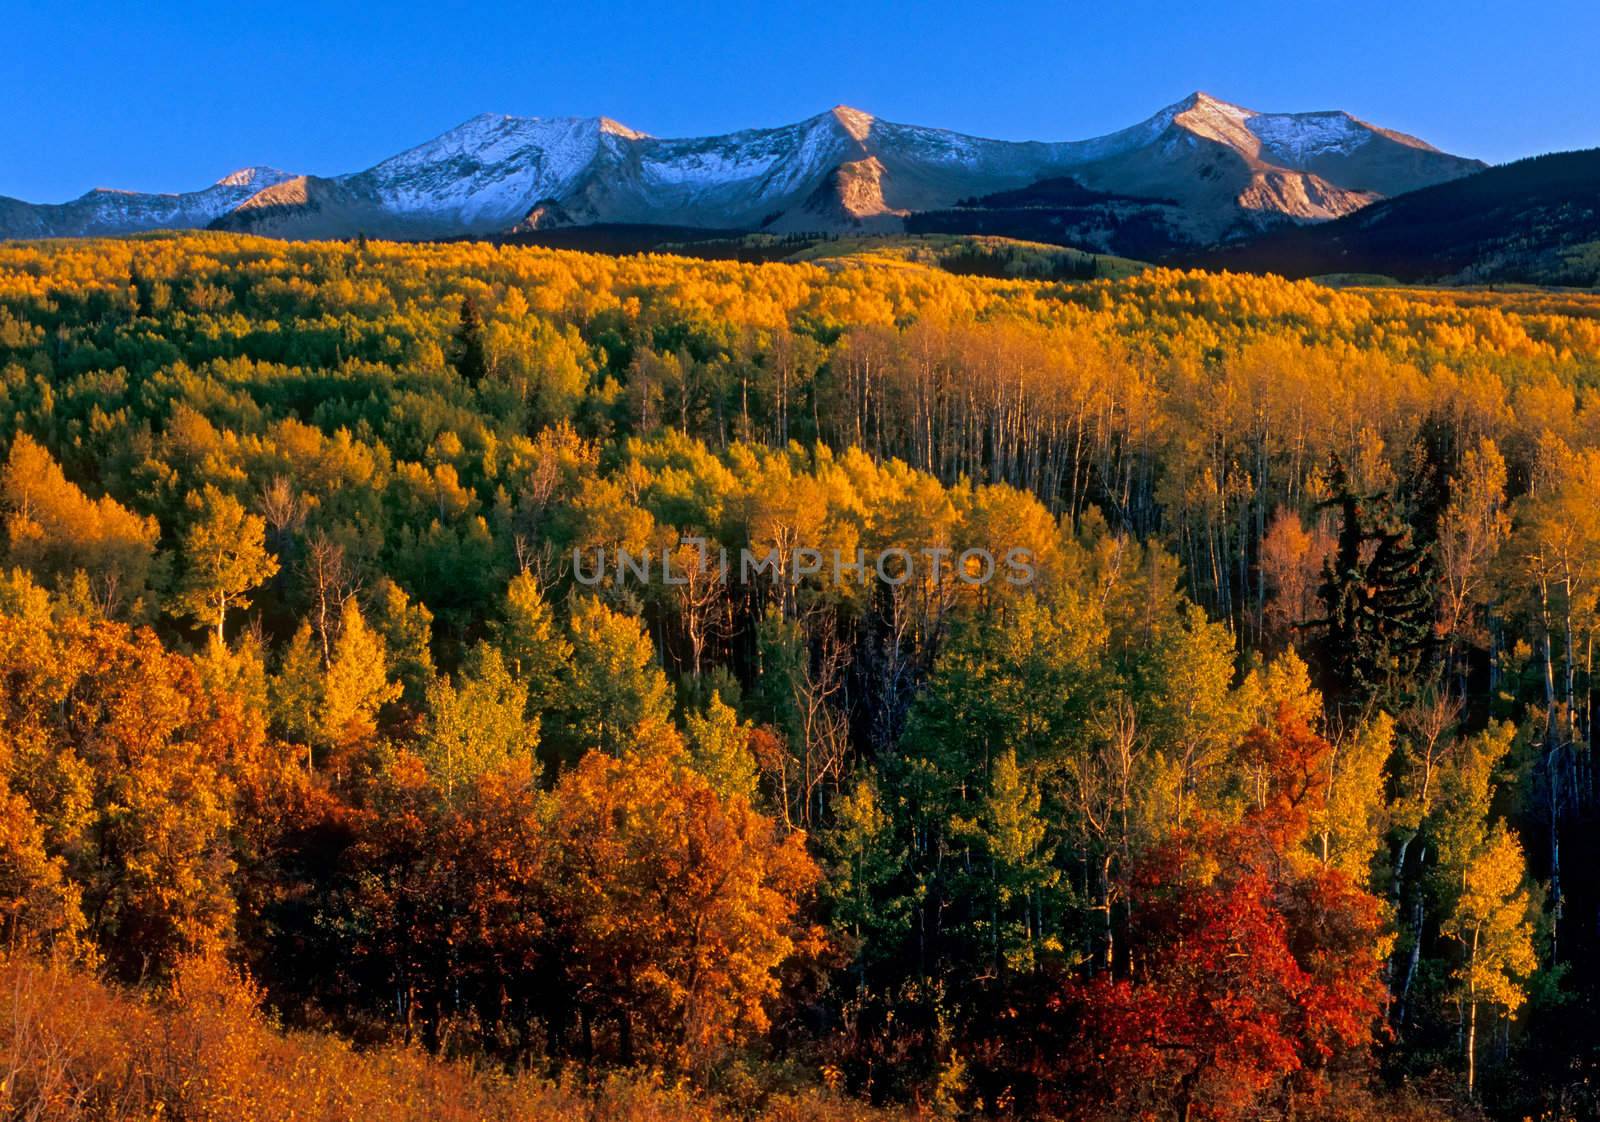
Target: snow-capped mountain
1224	163
107	211
1205	169
838	170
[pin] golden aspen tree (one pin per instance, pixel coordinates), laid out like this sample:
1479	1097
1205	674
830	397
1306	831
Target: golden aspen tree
1492	920
224	557
356	685
54	530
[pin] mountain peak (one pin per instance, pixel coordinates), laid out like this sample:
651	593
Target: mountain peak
613	127
259	175
1215	119
488	124
1203	102
854	121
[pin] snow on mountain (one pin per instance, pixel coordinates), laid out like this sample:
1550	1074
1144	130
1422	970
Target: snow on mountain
254	177
487	173
1234	170
736	173
105	210
1298	136
1219	167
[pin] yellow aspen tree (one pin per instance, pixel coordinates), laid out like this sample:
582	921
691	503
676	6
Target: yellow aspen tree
357	683
225	557
1492	920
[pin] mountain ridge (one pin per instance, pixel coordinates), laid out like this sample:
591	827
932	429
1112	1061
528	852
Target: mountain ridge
1214	172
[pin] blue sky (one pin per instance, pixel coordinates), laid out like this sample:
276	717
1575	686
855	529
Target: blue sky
170	96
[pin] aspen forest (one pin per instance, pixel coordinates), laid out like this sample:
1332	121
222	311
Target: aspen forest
330	787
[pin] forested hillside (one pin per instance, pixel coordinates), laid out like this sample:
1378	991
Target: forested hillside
1269	797
1533	221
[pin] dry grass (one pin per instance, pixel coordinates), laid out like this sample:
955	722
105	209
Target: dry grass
74	1049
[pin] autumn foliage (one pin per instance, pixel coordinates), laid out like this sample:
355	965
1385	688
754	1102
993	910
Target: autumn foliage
333	785
1254	983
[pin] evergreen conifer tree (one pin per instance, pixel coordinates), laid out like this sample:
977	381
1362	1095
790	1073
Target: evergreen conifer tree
468	354
1379	598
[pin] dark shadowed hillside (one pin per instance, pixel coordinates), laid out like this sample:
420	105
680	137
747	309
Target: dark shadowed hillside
1535	221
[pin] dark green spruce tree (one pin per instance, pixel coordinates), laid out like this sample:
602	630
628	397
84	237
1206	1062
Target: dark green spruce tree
1378	594
467	353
